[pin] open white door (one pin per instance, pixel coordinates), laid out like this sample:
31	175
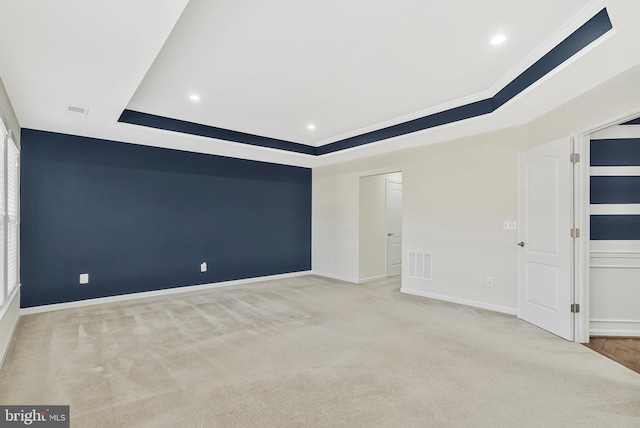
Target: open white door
545	195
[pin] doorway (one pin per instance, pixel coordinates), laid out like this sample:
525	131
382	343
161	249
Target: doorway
380	226
393	210
588	258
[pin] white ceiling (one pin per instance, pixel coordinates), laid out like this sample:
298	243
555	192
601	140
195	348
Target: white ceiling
272	67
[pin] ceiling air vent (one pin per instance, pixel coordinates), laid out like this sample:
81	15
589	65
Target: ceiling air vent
76	111
419	265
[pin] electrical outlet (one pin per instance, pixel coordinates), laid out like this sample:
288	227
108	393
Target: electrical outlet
490	281
84	278
203	267
509	225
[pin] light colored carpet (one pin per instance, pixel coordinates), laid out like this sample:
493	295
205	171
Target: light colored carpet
306	352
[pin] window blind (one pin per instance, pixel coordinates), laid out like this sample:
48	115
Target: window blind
12	214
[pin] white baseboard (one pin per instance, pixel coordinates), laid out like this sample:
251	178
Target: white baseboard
601	327
144	294
372	278
7	345
338	277
473	303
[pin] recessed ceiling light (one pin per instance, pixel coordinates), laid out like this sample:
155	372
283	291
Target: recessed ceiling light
311	127
498	39
194	97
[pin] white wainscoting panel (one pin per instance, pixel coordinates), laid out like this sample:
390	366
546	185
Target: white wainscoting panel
615	292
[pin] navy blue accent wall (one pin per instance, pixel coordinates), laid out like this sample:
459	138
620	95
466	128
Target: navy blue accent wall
140	218
615	190
615	227
597	26
635	121
615	152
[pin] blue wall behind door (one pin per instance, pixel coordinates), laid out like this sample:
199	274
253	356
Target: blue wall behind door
139	218
617	189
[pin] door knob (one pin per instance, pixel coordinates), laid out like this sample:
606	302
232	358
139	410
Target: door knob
389	234
521	244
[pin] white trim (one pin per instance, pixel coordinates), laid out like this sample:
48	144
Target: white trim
473	303
3	352
338	277
617	132
469	99
615	255
372	278
605	327
614	171
615	260
615	247
168	291
625	117
615	209
614	266
5	304
581	220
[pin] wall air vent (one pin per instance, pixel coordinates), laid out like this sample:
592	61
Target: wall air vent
419	265
76	111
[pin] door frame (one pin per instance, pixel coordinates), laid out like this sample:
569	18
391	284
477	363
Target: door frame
393	169
581	220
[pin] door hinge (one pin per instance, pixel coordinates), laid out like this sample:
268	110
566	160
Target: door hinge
575	308
575	233
574	157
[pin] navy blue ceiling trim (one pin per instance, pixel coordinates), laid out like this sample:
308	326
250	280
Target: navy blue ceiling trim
166	123
456	114
635	121
574	43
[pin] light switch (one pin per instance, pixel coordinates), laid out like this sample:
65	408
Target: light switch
84	278
203	267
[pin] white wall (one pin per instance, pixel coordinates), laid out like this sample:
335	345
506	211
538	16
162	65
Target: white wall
334	226
373	226
456	195
8	113
9	312
335	214
615	98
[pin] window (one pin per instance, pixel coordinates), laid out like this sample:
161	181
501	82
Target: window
12	223
3	289
9	214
